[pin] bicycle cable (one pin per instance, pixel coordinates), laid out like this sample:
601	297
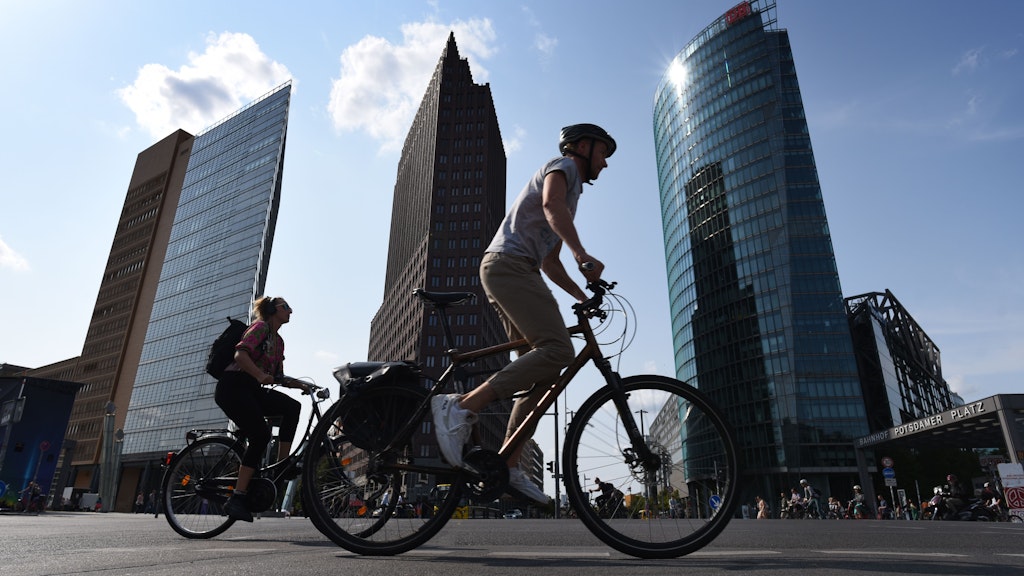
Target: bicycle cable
616	323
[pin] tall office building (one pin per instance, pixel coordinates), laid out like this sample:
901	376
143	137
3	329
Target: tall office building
758	318
113	343
449	200
216	263
191	247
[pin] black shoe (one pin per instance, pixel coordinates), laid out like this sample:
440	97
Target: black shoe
236	509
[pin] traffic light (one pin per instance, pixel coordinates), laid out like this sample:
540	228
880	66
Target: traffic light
551	466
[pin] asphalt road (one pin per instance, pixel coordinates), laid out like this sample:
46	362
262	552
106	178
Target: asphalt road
93	544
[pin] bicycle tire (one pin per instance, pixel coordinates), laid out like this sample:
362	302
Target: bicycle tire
348	469
196	485
682	421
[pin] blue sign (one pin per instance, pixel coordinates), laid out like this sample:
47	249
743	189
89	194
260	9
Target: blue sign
715	501
888	473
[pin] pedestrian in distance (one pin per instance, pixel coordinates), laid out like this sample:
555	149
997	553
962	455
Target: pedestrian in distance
762	508
528	242
883	509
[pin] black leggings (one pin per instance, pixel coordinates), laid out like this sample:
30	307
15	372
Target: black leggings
248	405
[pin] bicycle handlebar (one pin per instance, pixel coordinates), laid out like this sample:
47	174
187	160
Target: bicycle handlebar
591	307
320	392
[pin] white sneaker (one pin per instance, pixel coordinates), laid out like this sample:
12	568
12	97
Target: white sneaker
452	426
521	482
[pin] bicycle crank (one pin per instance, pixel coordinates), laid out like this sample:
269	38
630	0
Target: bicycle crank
488	474
261	495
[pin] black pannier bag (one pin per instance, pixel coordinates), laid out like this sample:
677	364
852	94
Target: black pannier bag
357	376
378	398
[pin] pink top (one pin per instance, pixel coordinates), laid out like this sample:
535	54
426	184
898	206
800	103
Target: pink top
265	349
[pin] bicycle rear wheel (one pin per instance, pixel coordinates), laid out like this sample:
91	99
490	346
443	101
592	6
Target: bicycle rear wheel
196	485
670	505
366	492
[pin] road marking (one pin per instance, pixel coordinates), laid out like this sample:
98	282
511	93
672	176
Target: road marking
876	553
733	552
596	554
243	550
549	554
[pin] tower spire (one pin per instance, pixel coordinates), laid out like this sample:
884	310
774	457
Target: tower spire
451	48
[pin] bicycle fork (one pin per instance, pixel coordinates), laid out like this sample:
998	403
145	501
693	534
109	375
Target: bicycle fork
638	454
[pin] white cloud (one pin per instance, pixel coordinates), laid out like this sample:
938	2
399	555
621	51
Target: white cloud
229	74
545	44
10	259
515	142
542	42
381	84
972	105
969	61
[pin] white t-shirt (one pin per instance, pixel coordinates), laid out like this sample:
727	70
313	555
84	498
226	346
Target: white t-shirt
525	230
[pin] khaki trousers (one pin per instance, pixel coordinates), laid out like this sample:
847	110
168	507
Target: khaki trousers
528	309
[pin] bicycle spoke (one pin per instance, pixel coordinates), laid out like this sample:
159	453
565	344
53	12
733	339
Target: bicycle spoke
674	502
366	497
196	485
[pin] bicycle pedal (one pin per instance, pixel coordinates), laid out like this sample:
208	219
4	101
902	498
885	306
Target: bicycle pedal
488	473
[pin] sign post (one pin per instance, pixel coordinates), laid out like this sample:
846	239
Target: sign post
889	473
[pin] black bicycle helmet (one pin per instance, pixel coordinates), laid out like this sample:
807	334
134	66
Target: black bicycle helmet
578	132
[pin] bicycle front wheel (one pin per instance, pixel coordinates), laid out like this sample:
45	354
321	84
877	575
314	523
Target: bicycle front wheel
668	504
369	492
196	485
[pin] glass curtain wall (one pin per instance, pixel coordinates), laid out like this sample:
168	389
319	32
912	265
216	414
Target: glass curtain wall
758	316
216	264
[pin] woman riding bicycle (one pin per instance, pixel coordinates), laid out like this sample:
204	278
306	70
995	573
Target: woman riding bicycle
528	242
259	361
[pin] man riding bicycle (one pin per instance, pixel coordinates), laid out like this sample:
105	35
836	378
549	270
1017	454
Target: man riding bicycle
605	488
528	242
812	499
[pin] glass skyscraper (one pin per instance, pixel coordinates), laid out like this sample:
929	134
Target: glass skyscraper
758	317
216	263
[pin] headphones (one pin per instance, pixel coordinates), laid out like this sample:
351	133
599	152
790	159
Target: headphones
269	308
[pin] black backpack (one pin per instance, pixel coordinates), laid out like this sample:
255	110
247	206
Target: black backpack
222	352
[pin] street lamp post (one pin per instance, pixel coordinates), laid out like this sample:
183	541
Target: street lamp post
641	412
650	492
108	465
558	491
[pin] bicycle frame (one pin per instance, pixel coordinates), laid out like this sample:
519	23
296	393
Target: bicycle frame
591	352
371	441
275	469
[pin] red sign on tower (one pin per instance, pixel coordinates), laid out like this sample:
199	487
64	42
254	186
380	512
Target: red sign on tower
737	13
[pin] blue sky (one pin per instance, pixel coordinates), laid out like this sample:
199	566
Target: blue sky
913	108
